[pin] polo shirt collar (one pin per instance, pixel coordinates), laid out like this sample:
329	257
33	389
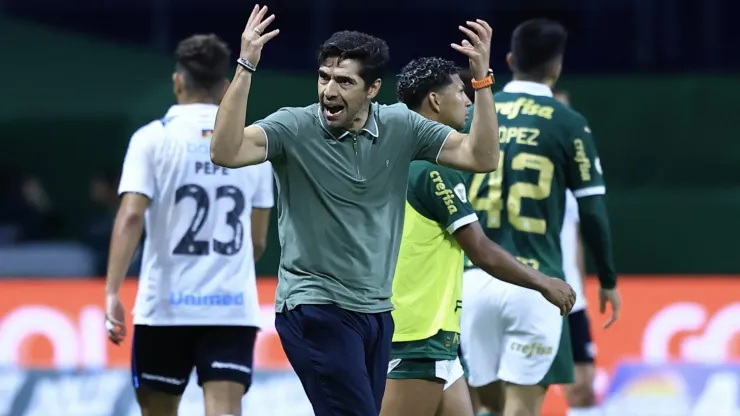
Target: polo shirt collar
371	125
528	87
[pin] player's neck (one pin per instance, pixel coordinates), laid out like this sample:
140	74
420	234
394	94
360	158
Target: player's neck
523	77
184	99
428	114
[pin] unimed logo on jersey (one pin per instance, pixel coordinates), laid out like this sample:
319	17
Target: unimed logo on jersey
197	299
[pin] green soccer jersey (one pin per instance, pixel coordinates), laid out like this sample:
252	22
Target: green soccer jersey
427	285
546	148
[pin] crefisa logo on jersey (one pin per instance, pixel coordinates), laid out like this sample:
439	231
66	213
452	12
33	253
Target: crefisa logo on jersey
198	299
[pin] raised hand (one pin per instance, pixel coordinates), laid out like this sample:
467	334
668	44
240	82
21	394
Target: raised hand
254	36
560	294
477	47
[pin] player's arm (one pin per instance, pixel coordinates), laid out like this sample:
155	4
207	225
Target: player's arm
474	152
262	203
496	261
137	188
477	151
127	230
235	146
586	180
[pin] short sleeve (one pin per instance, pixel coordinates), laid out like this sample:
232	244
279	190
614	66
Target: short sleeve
263	195
280	129
571	206
429	137
137	175
443	193
584	173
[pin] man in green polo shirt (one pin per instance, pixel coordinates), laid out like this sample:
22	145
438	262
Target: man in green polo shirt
341	167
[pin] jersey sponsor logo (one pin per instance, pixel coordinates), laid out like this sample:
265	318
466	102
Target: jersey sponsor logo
461	192
524	106
458	305
584	163
443	192
532	349
199	148
197	299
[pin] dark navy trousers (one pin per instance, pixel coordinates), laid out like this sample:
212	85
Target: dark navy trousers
340	356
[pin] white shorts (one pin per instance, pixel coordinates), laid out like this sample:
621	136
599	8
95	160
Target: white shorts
448	370
508	333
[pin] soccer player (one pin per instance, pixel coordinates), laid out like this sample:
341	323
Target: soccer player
580	395
440	227
341	167
197	300
511	335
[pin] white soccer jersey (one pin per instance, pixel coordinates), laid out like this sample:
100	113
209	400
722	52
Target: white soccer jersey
197	266
569	245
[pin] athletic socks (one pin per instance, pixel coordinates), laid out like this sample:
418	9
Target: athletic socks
584	411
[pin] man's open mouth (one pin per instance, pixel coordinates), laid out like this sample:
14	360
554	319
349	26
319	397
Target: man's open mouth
332	111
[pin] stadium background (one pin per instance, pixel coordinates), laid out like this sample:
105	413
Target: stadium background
656	78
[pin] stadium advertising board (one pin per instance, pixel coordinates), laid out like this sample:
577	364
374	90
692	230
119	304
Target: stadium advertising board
57	324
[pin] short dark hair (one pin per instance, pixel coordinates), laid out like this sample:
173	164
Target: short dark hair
371	52
422	76
536	43
466	78
204	61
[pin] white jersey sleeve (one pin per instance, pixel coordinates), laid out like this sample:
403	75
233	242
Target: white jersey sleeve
138	166
263	195
569	245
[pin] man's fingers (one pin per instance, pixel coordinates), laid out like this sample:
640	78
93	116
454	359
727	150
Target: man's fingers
262	26
470	34
479	30
485	24
268	36
255	9
260	15
463	50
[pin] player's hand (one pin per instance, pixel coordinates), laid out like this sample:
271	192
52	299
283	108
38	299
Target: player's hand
115	319
477	47
254	36
610	296
560	294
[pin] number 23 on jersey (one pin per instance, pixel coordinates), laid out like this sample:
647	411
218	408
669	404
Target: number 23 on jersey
189	244
492	204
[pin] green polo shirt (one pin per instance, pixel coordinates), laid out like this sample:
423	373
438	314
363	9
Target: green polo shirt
341	201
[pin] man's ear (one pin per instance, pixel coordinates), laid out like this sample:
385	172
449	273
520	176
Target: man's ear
434	101
374	89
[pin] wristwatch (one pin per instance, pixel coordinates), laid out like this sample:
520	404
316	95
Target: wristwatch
486	82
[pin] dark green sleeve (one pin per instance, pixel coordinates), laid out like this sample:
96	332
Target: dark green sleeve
439	193
584	173
598	238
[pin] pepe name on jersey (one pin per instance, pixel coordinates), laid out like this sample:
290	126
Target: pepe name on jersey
205	167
